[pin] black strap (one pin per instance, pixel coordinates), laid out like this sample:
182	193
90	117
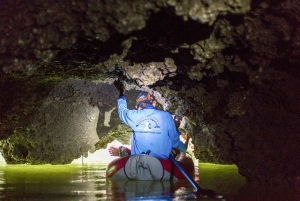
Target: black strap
147	152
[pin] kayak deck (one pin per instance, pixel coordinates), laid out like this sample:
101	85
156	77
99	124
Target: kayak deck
145	167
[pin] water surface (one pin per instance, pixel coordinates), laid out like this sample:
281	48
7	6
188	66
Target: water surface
87	182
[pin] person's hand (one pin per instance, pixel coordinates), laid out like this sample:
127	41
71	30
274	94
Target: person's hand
113	151
119	86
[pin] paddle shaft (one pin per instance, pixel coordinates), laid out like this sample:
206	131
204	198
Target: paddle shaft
194	184
199	191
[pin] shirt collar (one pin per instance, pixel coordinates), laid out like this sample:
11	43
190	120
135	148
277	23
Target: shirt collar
149	106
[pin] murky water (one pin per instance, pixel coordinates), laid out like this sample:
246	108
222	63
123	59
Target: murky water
77	182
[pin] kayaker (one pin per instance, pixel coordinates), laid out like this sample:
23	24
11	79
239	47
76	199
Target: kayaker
153	131
185	137
182	147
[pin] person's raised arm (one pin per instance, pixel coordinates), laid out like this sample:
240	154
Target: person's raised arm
120	87
121	102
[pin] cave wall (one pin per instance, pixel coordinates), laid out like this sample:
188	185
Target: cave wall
75	119
63	128
230	67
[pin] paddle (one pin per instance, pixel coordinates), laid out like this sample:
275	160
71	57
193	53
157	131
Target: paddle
199	191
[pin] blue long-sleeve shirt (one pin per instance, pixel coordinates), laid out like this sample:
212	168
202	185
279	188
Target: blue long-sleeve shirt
152	129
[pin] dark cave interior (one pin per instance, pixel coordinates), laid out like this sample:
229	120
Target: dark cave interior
231	69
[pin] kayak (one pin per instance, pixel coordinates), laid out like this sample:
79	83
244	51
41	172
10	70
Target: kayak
145	167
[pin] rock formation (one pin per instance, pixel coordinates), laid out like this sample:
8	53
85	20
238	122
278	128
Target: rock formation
229	67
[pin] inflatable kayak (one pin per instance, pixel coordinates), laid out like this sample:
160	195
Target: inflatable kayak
145	167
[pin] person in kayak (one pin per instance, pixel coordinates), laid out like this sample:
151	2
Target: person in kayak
182	147
153	131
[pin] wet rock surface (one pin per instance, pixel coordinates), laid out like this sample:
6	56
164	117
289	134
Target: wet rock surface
229	67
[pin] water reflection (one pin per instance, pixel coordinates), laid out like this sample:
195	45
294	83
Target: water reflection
131	189
87	182
61	182
224	179
149	190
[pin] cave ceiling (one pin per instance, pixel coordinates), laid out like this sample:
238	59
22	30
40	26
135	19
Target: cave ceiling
231	67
